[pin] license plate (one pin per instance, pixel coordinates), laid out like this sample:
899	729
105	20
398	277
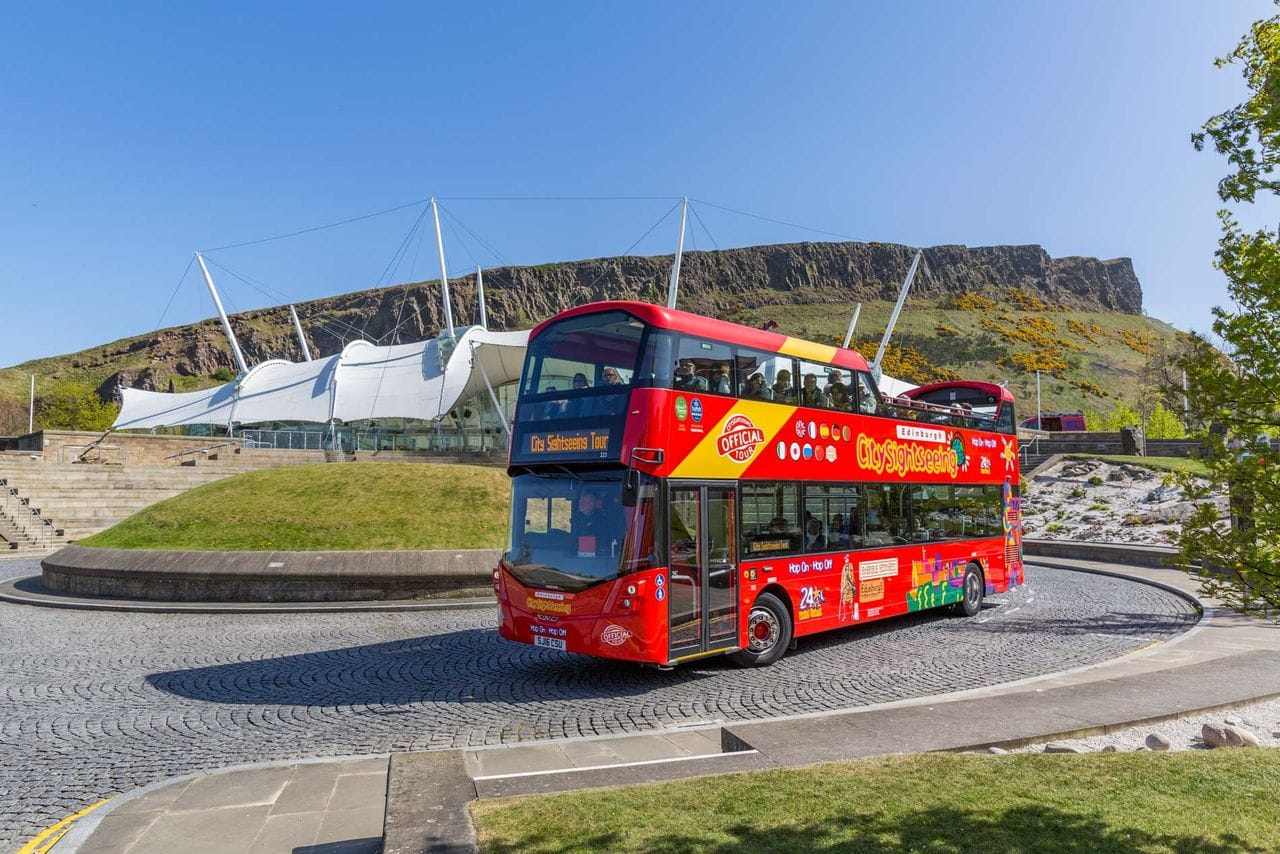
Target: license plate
549	643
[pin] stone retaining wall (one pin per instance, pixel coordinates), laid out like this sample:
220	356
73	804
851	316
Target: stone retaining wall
1132	555
182	576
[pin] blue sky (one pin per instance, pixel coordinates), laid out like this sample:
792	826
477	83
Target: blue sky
131	134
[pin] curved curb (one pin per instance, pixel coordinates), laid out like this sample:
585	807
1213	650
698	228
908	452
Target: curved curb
82	829
11	592
276	577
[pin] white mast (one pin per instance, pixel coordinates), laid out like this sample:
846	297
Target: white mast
302	339
444	273
1039	416
674	287
853	322
484	319
31	407
893	318
226	322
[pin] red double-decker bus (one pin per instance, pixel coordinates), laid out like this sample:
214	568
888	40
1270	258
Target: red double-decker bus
685	487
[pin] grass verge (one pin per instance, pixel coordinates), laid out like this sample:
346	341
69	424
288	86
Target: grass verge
1197	801
376	506
1196	467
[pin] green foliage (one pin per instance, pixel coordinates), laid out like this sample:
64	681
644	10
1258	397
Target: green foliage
70	405
1235	388
223	375
1163	424
1120	415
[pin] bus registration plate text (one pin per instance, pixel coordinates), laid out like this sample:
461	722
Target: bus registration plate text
549	643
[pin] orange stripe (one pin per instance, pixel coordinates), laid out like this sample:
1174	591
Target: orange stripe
802	349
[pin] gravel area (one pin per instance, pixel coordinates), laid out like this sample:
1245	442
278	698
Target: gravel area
1261	719
1106	502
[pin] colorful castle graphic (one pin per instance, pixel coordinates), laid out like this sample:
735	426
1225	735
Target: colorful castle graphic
1012	522
935	582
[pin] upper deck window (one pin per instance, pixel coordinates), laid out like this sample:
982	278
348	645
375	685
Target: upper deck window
961	406
582	365
706	366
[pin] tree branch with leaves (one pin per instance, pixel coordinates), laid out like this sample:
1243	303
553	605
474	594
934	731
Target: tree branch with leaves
1235	386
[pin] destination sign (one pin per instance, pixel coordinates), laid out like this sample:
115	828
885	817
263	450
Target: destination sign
570	442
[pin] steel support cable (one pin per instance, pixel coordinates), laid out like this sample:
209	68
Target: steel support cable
775	221
392	266
486	244
176	288
661	219
271	292
404	294
556	198
704	227
395	260
320	227
413	265
274	293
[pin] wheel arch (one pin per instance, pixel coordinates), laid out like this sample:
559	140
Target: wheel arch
781	592
987	587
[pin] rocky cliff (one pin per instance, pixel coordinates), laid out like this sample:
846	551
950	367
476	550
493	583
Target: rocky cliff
720	283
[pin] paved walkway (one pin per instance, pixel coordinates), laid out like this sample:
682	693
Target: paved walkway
333	807
1226	660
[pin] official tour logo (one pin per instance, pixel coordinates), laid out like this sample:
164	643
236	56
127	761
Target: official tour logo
739	439
615	635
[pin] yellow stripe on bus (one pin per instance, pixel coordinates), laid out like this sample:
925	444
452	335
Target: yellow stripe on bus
808	350
705	459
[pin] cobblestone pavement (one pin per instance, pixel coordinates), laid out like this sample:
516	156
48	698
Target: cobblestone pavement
96	704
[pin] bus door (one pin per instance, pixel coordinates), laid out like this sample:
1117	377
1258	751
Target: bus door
702	595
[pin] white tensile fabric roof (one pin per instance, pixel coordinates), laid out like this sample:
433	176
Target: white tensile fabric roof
363	381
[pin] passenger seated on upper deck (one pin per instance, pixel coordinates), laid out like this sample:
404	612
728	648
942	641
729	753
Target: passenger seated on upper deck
811	395
783	392
755	389
553	408
576	406
720	382
687	378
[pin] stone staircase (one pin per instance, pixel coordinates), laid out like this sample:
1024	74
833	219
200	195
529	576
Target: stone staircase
47	504
52	504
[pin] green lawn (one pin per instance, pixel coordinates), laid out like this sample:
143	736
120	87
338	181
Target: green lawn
1197	801
328	508
1160	463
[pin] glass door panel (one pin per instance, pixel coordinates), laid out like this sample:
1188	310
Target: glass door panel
722	566
684	592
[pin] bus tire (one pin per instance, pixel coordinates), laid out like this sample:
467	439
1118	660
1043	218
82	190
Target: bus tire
975	587
768	632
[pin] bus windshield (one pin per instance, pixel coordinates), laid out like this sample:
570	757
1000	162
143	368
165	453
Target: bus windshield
570	533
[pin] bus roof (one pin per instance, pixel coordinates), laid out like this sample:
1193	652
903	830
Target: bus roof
999	391
720	330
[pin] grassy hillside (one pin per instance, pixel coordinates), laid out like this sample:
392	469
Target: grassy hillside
991	331
1088	359
374	506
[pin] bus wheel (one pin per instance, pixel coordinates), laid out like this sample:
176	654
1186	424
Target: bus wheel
768	632
974	589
